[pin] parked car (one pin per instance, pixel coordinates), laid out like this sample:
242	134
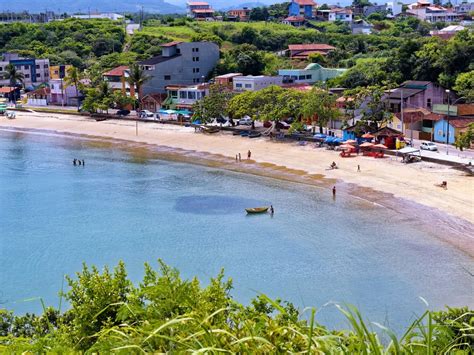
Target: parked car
122	113
146	113
428	146
246	121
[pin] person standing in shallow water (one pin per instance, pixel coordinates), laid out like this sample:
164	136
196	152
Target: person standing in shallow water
334	191
249	154
83	162
74	162
272	211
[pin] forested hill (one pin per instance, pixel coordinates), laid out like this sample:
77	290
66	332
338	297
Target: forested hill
84	6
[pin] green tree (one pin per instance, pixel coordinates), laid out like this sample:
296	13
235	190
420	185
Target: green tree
73	78
375	113
319	106
213	105
464	85
14	77
465	139
245	59
137	78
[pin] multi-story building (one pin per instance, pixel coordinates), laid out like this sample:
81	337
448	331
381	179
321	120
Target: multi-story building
394	8
35	71
117	79
464	8
338	14
184	97
302	8
255	83
309	75
240	14
180	63
59	71
199	10
426	11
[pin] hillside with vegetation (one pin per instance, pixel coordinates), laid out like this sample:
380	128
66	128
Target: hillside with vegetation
165	313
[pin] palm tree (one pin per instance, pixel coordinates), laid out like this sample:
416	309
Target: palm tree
14	76
137	78
73	78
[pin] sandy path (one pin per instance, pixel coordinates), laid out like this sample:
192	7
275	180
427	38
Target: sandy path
414	182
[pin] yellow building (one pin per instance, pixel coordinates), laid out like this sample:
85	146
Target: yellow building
58	71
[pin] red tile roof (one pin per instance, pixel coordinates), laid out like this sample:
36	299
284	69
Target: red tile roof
117	71
295	19
342	11
6	89
170	44
310	47
461	122
305	2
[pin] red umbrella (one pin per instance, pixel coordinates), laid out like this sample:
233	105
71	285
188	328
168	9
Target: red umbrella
367	135
350	141
366	145
380	146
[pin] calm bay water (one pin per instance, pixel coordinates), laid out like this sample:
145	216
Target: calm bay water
123	206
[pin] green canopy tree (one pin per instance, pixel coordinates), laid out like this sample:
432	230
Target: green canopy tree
319	106
137	78
214	105
464	85
73	78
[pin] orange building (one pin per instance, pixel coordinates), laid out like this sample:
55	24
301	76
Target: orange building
242	14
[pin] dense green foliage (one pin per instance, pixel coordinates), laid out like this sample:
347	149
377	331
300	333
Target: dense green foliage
165	313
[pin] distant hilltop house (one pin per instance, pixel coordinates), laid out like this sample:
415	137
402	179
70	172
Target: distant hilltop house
361	26
35	71
338	14
309	75
464	8
296	21
199	10
302	8
302	51
180	63
99	15
426	11
394	8
242	15
226	80
255	82
447	32
371	9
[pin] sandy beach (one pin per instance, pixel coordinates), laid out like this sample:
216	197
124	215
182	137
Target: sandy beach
415	182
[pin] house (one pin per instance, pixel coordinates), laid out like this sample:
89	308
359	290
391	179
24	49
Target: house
62	94
426	11
416	94
296	21
394	8
311	74
10	93
302	51
152	102
361	26
464	8
446	130
117	79
226	79
199	10
301	8
242	15
447	32
255	83
417	122
180	63
100	15
35	71
184	97
38	97
372	9
338	14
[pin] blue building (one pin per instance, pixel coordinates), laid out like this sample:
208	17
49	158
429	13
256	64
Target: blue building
302	8
443	130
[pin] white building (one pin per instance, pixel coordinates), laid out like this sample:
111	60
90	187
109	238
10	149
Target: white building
338	14
184	97
464	8
255	83
394	8
102	15
426	11
35	71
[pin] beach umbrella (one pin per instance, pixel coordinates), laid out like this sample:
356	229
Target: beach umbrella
368	135
329	140
319	135
350	141
346	146
367	145
338	140
380	146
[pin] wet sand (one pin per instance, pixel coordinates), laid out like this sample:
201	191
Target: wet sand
406	189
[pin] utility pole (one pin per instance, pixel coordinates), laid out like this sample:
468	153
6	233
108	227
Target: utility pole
401	107
447	125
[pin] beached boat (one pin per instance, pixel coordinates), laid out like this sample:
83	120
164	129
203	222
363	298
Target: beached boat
210	129
255	135
257	210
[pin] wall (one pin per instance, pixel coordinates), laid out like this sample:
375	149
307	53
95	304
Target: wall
440	132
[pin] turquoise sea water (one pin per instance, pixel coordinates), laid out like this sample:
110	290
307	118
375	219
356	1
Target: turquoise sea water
54	216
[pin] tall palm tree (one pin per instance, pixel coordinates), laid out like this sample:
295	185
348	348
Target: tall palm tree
73	78
137	78
14	76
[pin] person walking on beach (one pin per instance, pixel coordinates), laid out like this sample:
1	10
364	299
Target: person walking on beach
240	157
249	154
236	157
358	168
79	161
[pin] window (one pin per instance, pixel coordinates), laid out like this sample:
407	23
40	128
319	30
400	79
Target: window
1	69
27	76
428	103
309	76
248	86
183	95
195	59
38	75
37	66
191	95
52	86
195	70
302	77
45	66
27	67
178	51
238	85
195	50
167	77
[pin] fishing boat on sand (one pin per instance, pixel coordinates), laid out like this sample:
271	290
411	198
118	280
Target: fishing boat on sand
257	210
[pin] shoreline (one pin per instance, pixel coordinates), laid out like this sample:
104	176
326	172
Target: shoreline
454	219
